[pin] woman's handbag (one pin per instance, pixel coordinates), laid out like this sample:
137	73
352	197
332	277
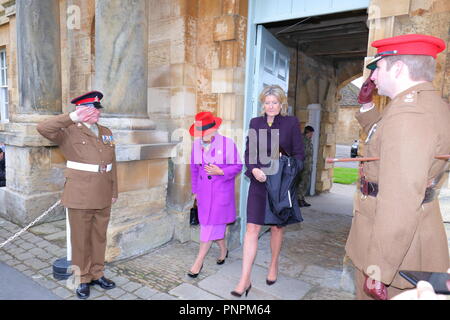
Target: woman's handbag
193	219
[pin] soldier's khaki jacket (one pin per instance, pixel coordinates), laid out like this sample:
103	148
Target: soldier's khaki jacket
394	231
83	189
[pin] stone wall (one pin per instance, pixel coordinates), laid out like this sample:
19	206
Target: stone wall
347	125
193	61
78	49
319	81
196	63
90	56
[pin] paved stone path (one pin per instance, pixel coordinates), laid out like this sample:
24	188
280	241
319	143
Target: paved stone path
17	286
311	261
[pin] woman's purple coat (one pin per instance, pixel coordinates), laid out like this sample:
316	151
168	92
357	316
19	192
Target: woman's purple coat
286	129
215	194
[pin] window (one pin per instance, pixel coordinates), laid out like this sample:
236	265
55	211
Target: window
3	87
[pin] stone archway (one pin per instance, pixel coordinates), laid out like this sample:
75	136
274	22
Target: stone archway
347	127
323	56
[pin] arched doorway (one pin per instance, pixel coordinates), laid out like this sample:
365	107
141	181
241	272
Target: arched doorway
326	48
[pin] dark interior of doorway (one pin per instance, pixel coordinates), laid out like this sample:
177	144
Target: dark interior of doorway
337	40
327	51
332	37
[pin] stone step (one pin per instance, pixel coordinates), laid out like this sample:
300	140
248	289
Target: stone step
134	152
188	291
17	138
140	136
226	279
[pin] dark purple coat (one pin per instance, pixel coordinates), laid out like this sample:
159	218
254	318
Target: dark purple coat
257	155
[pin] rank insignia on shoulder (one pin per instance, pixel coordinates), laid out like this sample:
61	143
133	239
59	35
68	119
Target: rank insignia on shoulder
410	97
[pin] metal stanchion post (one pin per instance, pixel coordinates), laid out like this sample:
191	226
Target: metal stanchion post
62	267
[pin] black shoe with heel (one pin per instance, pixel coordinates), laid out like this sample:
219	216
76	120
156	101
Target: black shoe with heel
221	261
270	282
237	294
194	275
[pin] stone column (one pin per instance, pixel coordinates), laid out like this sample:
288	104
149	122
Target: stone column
139	219
38	56
33	182
121	56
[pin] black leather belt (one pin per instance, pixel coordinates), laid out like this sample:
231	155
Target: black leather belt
368	188
371	189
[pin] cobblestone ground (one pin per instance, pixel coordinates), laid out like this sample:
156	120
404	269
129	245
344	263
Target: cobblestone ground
165	268
311	259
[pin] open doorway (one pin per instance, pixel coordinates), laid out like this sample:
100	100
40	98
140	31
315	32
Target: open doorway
326	52
326	46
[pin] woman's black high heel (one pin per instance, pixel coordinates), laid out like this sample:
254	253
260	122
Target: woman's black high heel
237	294
220	261
194	275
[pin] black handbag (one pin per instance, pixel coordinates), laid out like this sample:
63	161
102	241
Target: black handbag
193	218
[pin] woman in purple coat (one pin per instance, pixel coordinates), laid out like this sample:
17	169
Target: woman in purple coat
215	163
274	130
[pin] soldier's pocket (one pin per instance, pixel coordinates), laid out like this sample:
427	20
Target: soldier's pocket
83	149
77	182
110	149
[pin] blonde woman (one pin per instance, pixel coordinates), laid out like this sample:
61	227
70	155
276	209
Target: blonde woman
273	124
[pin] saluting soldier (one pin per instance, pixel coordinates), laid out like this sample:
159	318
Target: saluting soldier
90	187
397	223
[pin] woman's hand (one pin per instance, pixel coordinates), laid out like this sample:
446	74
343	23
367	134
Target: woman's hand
259	175
213	170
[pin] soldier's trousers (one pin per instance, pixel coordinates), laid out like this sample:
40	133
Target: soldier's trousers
303	183
88	238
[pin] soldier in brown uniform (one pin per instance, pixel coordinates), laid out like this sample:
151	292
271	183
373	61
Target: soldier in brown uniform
397	223
90	187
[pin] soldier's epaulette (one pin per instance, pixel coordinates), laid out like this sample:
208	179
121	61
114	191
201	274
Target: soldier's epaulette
409	98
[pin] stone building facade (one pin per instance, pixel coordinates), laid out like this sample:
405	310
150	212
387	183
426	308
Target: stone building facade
158	62
347	130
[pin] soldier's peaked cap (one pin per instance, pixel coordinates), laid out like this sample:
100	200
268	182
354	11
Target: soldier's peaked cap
416	44
92	97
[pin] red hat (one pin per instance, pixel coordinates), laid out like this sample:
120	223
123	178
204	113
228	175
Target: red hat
92	97
418	44
205	123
